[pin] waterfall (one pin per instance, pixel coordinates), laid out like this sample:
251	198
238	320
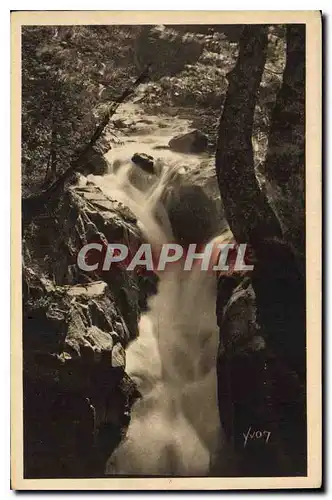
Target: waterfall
174	428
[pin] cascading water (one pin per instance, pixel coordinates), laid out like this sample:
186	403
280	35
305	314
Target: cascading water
174	428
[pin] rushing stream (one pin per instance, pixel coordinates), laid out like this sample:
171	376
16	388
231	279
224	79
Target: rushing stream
174	428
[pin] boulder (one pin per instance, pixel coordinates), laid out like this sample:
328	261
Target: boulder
191	214
144	161
191	142
95	162
121	123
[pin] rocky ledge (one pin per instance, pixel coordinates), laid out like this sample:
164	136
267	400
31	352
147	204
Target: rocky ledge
76	325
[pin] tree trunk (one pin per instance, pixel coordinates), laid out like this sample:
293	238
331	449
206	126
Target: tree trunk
264	388
285	161
247	210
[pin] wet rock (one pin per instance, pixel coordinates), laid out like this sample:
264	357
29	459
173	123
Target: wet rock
144	161
118	356
161	147
190	209
146	121
100	341
90	290
95	162
121	123
192	142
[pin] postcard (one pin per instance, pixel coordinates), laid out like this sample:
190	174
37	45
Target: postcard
166	250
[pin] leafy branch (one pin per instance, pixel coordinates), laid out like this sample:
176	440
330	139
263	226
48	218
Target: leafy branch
32	203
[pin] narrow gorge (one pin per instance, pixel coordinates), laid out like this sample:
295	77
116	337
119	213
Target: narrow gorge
175	373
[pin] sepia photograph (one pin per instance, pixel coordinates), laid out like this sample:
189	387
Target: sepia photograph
167	250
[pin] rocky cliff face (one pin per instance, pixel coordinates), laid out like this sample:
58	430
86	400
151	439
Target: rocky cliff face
76	326
261	391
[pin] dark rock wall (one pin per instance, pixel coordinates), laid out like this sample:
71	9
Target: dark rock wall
261	385
76	325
